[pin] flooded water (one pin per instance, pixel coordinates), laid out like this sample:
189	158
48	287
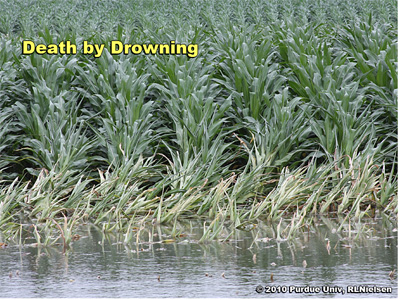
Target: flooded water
357	260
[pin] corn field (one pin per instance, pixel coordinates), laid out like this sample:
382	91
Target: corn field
288	110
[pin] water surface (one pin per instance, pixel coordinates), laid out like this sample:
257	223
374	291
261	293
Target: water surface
99	265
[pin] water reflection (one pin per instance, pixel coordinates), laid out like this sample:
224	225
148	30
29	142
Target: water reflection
156	263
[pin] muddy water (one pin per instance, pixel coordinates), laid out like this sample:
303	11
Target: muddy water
356	263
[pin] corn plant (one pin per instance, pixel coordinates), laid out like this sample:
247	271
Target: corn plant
289	109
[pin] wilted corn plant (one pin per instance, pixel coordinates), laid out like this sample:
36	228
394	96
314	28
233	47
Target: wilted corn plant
289	109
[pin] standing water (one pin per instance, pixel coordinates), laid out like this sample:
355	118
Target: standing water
254	262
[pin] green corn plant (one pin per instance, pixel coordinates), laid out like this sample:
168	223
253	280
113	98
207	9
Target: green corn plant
289	109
